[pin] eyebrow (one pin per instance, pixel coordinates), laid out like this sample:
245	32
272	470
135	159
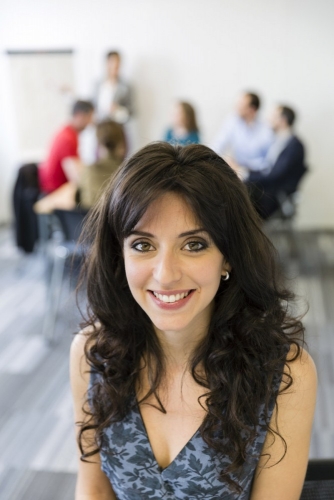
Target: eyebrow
182	235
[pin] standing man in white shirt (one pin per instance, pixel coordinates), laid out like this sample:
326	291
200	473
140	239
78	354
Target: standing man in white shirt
114	97
244	139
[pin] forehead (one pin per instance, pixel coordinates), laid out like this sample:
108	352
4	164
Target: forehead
169	212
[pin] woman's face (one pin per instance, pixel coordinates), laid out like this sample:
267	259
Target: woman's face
173	267
178	117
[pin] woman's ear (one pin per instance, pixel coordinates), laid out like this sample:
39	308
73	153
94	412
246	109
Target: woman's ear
226	268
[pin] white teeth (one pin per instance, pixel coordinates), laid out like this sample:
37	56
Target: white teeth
171	298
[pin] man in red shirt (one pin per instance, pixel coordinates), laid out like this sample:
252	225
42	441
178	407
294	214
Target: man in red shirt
63	163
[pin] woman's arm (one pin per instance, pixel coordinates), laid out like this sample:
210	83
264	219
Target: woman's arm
293	419
92	483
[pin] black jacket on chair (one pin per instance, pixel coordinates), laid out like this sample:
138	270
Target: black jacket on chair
26	192
284	177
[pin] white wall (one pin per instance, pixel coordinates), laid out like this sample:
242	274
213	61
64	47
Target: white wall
204	52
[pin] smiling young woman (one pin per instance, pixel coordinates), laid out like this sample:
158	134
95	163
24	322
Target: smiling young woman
189	380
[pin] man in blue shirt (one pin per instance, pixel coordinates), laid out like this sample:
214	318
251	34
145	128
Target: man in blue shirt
244	139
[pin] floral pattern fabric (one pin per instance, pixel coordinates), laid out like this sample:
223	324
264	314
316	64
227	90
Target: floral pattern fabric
128	461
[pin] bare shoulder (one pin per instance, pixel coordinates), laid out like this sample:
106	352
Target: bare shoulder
81	337
79	373
302	369
79	367
303	357
77	353
282	466
91	481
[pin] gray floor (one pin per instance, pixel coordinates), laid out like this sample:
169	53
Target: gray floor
37	459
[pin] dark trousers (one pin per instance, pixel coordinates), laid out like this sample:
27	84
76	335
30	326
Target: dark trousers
264	201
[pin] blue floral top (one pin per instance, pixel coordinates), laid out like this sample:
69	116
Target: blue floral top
191	138
128	461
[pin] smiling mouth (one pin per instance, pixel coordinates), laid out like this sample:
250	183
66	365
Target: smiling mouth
168	299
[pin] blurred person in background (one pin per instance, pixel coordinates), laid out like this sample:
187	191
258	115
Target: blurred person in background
285	164
244	139
184	129
63	163
111	152
114	96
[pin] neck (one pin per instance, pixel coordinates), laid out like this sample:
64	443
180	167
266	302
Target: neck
103	152
74	125
113	79
180	131
250	119
284	131
178	346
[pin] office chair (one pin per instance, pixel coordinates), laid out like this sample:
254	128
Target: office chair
70	222
319	481
282	220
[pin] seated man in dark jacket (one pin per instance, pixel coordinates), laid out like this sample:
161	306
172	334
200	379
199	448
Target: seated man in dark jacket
285	165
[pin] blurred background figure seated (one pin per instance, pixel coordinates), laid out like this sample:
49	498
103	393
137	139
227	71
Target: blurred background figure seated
111	151
244	139
63	163
59	173
275	188
184	129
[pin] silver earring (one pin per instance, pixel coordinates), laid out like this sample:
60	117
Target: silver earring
226	277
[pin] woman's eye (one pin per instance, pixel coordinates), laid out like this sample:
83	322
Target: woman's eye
142	246
195	246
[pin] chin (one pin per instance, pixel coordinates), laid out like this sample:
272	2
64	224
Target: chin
170	326
175	326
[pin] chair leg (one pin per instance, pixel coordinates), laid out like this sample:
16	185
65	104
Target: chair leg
43	230
54	292
47	226
292	240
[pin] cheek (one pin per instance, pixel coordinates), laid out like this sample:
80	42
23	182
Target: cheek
210	275
135	274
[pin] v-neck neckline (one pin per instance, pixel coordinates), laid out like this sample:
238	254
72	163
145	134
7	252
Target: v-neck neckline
149	445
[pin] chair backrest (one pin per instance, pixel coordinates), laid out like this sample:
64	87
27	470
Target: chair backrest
319	481
25	194
71	222
289	196
288	204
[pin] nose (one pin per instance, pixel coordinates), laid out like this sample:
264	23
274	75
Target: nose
167	268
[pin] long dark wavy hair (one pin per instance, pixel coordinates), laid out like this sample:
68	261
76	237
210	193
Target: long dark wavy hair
189	116
251	328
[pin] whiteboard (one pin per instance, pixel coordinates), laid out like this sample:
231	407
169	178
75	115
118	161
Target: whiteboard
42	83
